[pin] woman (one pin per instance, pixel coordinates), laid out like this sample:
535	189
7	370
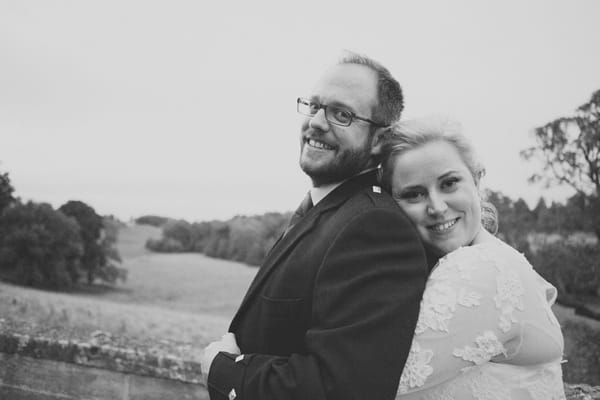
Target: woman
485	328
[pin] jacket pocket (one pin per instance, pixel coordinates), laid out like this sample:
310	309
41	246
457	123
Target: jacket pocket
282	326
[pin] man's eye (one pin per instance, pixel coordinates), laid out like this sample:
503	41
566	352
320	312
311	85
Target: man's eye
341	115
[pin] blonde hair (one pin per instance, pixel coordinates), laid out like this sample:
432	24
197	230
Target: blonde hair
411	134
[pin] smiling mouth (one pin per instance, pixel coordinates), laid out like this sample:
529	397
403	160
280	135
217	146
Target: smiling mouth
318	145
443	227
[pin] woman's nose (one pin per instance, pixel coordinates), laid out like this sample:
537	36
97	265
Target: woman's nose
436	206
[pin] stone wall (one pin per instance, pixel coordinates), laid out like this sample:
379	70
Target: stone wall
39	368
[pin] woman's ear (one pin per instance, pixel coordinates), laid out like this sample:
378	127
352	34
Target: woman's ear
377	140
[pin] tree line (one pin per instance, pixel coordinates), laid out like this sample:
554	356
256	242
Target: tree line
245	239
248	238
55	248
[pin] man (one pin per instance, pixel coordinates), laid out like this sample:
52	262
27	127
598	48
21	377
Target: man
332	312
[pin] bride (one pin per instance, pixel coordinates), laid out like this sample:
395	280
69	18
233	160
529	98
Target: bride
485	328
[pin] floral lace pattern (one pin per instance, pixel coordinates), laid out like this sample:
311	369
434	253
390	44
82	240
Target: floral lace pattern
486	347
548	386
439	304
487	387
416	369
477	300
509	298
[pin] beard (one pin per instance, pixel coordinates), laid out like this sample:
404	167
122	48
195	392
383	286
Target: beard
344	165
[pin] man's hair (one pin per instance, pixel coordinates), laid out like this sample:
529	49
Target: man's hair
389	93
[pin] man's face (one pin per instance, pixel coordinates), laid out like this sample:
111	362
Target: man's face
331	153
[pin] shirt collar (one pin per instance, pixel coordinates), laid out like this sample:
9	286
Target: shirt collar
319	193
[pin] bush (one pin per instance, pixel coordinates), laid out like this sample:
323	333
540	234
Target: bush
582	352
39	246
574	268
164	245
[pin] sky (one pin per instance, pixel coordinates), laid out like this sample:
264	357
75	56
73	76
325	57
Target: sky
186	109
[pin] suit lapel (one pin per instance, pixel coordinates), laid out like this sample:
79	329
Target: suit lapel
333	200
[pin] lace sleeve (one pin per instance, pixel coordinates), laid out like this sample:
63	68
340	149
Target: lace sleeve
482	303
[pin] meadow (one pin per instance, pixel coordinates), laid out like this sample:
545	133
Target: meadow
176	297
189	299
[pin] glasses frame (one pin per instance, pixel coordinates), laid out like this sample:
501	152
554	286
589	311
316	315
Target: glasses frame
353	116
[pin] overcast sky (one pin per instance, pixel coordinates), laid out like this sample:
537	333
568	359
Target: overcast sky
187	110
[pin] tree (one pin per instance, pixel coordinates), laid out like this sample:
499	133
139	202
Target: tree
98	250
569	149
39	246
6	192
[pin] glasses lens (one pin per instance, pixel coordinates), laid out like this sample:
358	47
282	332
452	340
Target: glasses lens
339	116
307	107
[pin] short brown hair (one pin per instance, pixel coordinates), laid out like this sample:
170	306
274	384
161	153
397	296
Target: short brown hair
389	93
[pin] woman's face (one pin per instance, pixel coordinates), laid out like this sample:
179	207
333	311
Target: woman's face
435	188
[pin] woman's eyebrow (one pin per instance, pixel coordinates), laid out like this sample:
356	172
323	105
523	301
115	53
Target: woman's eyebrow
446	174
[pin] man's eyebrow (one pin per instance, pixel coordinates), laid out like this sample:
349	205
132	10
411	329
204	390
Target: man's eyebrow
340	104
335	103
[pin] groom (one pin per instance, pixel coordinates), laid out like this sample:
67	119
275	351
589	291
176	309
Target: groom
332	311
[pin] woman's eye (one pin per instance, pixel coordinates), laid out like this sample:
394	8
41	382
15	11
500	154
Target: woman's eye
449	183
412	196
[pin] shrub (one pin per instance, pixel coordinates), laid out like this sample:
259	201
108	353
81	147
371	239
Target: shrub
164	245
574	268
582	350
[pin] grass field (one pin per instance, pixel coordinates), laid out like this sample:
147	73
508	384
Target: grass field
183	298
178	297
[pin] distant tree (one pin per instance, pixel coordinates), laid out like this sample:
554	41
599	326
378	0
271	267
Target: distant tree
514	220
180	231
6	191
39	246
569	149
541	216
98	252
109	271
153	220
522	214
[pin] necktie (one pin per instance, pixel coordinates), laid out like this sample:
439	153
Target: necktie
300	212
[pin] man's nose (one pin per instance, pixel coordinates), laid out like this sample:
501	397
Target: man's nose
319	121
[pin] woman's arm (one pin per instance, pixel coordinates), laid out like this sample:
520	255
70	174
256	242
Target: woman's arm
481	304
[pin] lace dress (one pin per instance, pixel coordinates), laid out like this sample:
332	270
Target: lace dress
485	331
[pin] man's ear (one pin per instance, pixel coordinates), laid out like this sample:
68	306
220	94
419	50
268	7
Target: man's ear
377	140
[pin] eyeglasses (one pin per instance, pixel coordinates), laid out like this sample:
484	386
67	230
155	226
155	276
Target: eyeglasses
334	114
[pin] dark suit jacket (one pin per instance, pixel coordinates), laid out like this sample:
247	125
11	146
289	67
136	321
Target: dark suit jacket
332	312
